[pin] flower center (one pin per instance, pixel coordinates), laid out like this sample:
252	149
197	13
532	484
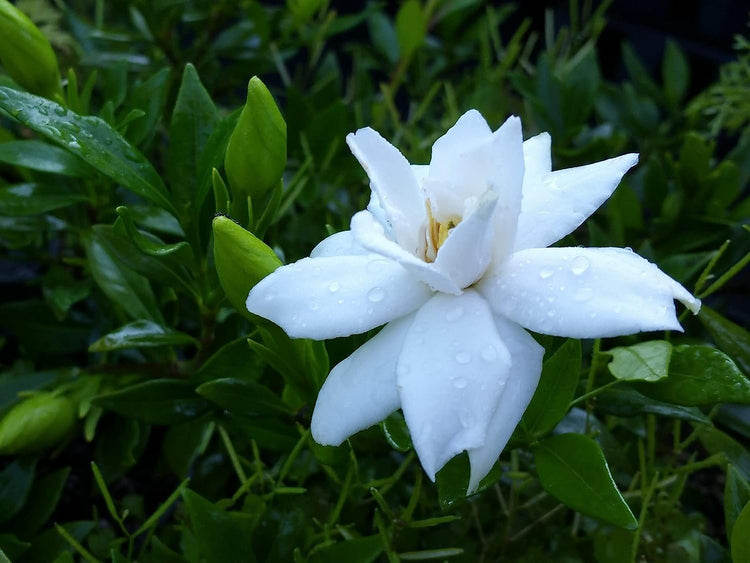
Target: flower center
437	232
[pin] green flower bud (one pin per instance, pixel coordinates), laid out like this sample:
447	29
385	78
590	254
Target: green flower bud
26	53
36	423
256	153
241	260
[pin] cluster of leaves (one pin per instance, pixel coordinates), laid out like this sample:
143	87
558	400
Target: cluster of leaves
145	417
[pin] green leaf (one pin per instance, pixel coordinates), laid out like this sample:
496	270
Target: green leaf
159	401
717	442
141	334
411	27
573	469
213	154
40	332
700	375
736	496
15	484
183	443
149	96
356	550
741	536
625	401
396	432
149	244
193	120
89	138
245	398
452	481
235	358
556	388
119	443
645	361
32	198
221	536
733	339
40	156
675	73
124	287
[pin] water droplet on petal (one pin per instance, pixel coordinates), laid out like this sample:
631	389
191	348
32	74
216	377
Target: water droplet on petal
488	353
460	382
550	314
545	273
580	265
334	287
376	294
376	265
463	357
454	314
583	294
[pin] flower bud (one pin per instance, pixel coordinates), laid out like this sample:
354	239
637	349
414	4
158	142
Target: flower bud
256	153
36	423
26	53
241	260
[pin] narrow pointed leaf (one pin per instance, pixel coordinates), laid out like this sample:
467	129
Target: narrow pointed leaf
141	334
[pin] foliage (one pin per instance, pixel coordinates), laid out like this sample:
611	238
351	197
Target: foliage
146	418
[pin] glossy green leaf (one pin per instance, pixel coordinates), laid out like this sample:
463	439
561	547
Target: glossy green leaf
36	423
221	536
15	484
396	432
141	334
42	157
234	358
89	138
151	245
245	398
741	536
700	375
452	481
159	401
124	287
572	468
736	496
32	198
193	120
645	361
626	401
149	96
733	339
556	388
356	550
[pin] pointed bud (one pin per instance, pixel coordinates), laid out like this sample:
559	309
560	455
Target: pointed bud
26	53
241	260
36	423
256	153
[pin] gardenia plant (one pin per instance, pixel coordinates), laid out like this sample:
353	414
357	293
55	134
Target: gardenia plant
453	258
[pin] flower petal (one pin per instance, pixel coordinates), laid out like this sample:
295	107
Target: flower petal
369	233
526	367
555	204
470	129
537	159
450	374
361	390
467	251
336	296
393	181
585	292
338	244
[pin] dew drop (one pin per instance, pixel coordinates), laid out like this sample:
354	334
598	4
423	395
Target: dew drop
545	273
488	353
460	382
375	295
61	111
334	287
583	294
580	265
454	314
74	145
550	314
463	357
376	265
42	110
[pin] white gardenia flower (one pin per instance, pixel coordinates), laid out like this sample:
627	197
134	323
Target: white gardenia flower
452	256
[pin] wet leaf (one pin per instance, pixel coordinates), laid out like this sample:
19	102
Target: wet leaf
645	361
141	334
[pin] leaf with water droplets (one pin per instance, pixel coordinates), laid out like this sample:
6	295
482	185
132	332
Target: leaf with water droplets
645	361
140	334
89	138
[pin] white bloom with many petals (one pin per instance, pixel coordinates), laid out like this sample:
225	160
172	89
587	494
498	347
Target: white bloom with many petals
453	257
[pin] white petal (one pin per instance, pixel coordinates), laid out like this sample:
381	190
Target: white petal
470	129
370	234
526	367
361	390
336	296
450	373
585	292
420	171
557	203
537	159
394	182
338	244
467	251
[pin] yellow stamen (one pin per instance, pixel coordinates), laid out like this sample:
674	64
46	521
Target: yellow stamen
437	232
